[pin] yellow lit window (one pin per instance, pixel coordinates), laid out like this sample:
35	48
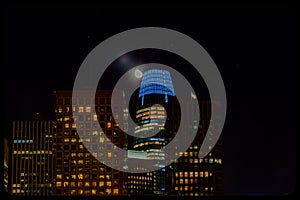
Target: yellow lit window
186	174
101	140
60	109
180	153
176	174
186	181
67	125
181	181
109	154
95	117
72	184
196	174
181	174
94	191
186	188
67	139
87	184
80	191
108	183
206	189
59	176
206	174
101	183
94	184
80	109
201	174
66	184
116	191
80	146
108	125
73	125
88	109
191	153
108	191
73	140
201	160
191	174
210	174
80	184
176	187
80	176
95	133
185	154
88	139
58	184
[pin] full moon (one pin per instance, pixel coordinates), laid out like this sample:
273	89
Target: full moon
138	73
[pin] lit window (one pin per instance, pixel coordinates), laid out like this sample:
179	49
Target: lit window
176	174
80	109
210	174
176	187
116	191
191	153
58	184
181	174
196	174
206	174
108	183
191	174
185	154
95	118
94	191
108	125
186	174
108	191
88	109
60	109
201	174
73	125
80	176
72	184
211	160
201	160
67	125
67	139
206	189
59	176
181	181
101	140
80	191
186	181
101	183
109	154
186	188
80	184
66	184
87	184
73	140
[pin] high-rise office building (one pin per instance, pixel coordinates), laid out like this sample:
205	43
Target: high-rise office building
188	175
6	163
31	169
76	170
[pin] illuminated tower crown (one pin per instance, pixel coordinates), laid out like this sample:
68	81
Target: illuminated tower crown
156	81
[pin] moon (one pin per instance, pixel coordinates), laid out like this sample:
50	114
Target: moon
138	74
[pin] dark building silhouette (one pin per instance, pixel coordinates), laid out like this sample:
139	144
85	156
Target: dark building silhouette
31	169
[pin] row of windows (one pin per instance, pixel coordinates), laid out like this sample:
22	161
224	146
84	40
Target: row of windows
107	191
67	100
192	174
86	184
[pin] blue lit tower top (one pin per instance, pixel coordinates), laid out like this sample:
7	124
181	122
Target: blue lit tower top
156	81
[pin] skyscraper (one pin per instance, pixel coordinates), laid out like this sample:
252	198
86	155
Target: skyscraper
31	171
6	163
76	170
188	175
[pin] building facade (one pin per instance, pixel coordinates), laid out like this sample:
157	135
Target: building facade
76	170
188	175
6	163
31	169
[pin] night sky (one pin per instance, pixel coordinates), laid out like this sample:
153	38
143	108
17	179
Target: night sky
253	46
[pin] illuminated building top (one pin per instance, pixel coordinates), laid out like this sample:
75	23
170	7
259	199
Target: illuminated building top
156	81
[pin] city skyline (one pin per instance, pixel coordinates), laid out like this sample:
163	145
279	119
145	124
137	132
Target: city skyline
254	48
